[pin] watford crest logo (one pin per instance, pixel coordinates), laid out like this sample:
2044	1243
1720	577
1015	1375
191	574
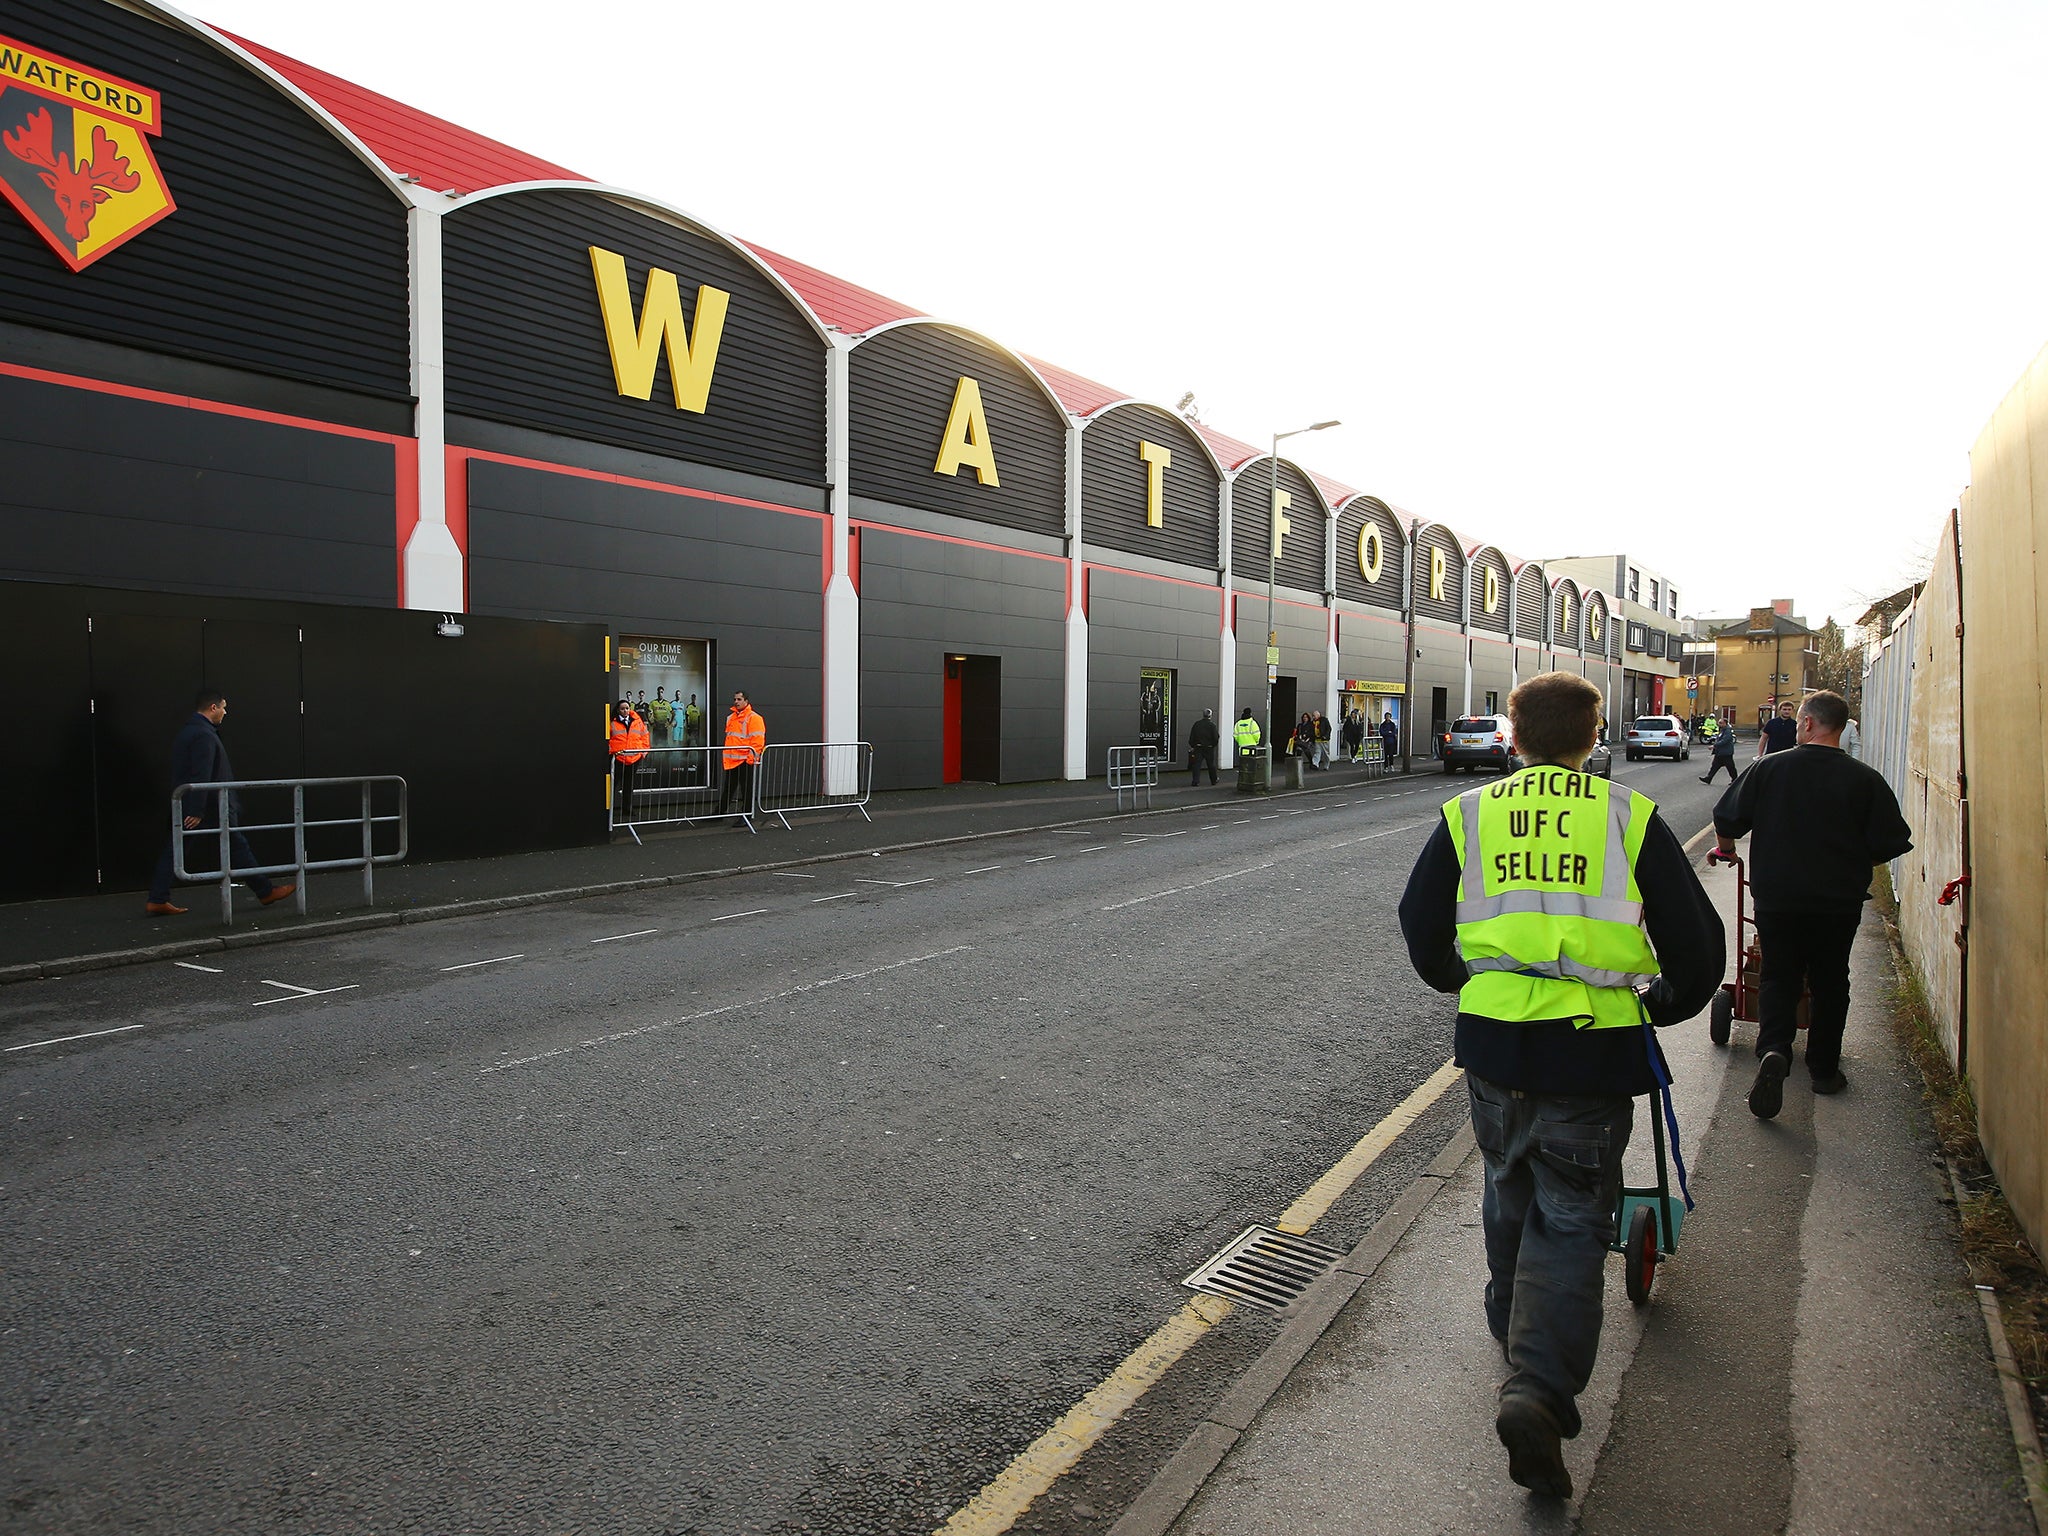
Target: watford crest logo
74	153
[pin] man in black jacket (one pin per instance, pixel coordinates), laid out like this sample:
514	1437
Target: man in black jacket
197	757
1819	820
1202	739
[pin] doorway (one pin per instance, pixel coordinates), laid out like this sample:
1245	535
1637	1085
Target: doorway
1439	719
971	738
1283	715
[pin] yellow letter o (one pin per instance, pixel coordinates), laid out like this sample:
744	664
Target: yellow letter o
1372	553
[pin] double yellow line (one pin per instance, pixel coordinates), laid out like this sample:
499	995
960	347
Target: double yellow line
1053	1454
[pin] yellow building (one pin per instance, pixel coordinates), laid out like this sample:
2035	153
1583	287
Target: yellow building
1757	663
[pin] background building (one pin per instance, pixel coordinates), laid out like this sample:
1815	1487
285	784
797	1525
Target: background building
1759	662
1652	635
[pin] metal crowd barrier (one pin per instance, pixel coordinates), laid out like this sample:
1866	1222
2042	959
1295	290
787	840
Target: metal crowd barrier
1374	758
671	786
814	776
1133	771
363	817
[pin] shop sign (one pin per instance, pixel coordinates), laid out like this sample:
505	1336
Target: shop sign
75	159
1366	685
1155	710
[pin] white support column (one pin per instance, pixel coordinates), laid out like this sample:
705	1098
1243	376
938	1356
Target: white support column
842	601
1226	648
1077	617
432	561
1465	624
1331	663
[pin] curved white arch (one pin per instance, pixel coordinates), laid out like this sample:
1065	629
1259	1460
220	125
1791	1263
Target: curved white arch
172	16
1052	398
666	211
1152	405
1329	512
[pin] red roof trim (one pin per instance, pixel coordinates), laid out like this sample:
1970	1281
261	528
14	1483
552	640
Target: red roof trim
443	156
842	305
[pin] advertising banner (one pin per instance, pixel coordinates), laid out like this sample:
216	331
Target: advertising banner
1155	711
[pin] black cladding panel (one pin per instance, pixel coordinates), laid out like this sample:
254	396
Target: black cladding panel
286	254
1301	547
904	385
1115	484
103	488
1356	555
526	336
1448	606
1491	560
1532	594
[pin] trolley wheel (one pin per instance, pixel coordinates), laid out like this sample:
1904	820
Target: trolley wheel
1720	1016
1639	1254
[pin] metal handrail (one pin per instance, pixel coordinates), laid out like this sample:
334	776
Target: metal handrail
226	826
1133	771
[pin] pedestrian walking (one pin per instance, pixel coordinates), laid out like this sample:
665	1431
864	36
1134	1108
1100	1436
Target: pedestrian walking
1818	820
1544	900
199	757
1780	733
627	741
1247	735
1724	756
1390	733
746	737
1354	735
1203	738
1322	739
1303	742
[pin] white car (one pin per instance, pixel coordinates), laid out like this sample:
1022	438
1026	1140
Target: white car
1481	741
1658	736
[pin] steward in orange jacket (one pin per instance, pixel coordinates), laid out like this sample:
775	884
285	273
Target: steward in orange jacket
746	734
629	736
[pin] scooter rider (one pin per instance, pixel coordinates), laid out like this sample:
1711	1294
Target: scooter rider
1545	900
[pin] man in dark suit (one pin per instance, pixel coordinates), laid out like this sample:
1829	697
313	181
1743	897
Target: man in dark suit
198	757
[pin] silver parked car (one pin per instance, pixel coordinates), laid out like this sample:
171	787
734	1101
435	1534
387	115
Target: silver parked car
1658	736
1600	761
1481	741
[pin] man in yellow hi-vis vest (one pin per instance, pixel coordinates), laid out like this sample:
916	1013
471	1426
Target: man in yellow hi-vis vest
1246	734
1566	917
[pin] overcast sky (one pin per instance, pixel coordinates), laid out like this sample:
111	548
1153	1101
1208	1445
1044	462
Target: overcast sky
1730	288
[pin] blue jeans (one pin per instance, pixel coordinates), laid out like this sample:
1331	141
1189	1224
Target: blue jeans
1553	1174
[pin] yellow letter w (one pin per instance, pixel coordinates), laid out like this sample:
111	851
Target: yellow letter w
636	349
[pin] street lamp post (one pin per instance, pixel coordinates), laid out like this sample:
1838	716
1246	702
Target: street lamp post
1272	559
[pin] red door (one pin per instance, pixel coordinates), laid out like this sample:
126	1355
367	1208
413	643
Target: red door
949	735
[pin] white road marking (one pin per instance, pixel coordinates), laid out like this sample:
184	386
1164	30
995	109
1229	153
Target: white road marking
285	986
1183	832
1302	812
1274	817
1066	832
211	970
1245	823
1096	849
981	871
300	994
755	912
896	885
1212	826
790	874
840	897
1178	889
637	933
88	1035
1042	858
470	965
1373	837
712	1013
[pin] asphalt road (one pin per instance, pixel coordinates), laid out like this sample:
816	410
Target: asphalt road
776	1203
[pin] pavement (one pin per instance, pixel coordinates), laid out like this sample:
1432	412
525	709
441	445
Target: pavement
42	938
1813	1360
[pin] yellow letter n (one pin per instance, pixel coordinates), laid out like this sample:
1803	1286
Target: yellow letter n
637	347
1156	459
966	440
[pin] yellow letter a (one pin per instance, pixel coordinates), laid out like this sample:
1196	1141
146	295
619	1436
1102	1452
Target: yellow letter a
966	440
636	349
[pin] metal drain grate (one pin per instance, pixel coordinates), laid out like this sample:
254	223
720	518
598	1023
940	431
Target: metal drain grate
1265	1268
